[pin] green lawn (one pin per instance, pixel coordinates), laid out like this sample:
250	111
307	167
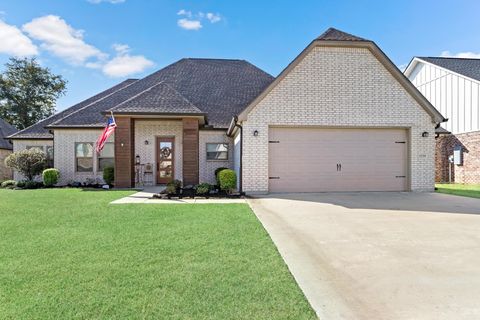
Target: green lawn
67	253
466	190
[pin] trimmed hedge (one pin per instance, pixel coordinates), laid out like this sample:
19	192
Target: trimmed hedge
109	175
9	184
217	171
50	177
203	188
228	180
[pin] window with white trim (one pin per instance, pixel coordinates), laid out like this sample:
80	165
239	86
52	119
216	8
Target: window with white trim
217	151
84	156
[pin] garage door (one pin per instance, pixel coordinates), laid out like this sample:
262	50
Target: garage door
319	160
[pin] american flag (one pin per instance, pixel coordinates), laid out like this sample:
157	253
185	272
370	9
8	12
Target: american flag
107	132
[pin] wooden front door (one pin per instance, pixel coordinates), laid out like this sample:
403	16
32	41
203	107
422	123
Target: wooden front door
165	150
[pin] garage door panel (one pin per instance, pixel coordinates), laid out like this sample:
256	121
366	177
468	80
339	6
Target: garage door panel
305	159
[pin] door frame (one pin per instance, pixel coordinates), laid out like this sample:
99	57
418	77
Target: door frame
157	147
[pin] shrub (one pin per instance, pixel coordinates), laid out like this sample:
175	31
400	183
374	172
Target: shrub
173	187
109	175
203	188
21	184
9	184
228	180
30	163
217	171
32	185
50	177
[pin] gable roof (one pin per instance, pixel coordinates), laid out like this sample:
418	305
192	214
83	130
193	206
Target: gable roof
464	66
219	88
6	129
334	38
38	130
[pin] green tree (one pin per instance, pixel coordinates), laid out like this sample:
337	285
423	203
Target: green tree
28	92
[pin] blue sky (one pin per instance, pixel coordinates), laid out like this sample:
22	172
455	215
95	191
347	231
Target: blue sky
95	44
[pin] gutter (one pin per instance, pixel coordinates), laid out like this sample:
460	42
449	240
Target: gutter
234	124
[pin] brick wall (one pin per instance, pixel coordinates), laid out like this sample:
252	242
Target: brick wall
469	171
64	154
147	130
338	87
23	144
5	173
207	167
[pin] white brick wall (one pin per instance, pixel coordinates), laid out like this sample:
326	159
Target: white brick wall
149	130
19	145
64	154
207	167
338	87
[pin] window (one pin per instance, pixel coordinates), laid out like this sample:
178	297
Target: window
49	154
106	158
39	148
217	151
84	156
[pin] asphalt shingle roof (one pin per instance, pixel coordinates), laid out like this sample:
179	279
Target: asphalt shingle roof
38	130
6	129
220	88
333	34
467	67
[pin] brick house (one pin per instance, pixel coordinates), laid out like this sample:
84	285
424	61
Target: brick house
452	85
5	149
340	117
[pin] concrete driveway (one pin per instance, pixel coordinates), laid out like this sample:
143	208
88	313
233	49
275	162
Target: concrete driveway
380	255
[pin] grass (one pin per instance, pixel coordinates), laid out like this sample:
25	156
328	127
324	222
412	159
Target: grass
67	253
466	190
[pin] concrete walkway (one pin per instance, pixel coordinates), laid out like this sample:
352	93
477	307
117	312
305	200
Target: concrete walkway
380	255
146	197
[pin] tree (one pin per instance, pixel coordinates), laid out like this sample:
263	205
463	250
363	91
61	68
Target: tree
28	92
30	163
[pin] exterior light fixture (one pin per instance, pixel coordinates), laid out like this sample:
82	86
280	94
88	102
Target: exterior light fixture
137	159
425	134
255	133
146	142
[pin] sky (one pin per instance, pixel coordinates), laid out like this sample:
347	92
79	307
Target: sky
95	44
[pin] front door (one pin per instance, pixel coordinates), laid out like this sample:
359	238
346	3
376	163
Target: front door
165	159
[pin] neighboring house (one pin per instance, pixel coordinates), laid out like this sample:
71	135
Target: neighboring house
340	117
5	148
452	85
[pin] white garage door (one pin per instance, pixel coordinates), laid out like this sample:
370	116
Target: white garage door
318	160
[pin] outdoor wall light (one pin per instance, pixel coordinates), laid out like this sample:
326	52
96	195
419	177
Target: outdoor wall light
146	142
255	133
122	144
425	134
137	159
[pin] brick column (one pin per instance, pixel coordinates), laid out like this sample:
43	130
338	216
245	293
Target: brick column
124	153
190	151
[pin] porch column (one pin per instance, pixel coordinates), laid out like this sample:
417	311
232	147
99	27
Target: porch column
190	151
124	153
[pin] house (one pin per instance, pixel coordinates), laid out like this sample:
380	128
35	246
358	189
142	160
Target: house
5	148
452	85
340	117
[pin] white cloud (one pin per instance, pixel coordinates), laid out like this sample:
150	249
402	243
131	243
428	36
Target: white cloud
188	24
184	12
62	40
125	64
213	18
468	54
109	1
14	42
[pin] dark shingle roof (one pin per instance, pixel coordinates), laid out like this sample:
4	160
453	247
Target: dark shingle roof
220	88
6	129
333	34
38	130
160	98
464	66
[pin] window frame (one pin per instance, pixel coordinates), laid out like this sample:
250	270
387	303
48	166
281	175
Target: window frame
99	156
217	143
76	158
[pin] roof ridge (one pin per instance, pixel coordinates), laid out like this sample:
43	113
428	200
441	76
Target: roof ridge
136	95
458	58
93	102
333	34
182	96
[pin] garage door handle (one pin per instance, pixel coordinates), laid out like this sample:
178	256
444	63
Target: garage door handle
339	167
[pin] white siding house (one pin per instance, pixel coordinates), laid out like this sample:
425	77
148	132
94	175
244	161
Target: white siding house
452	85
